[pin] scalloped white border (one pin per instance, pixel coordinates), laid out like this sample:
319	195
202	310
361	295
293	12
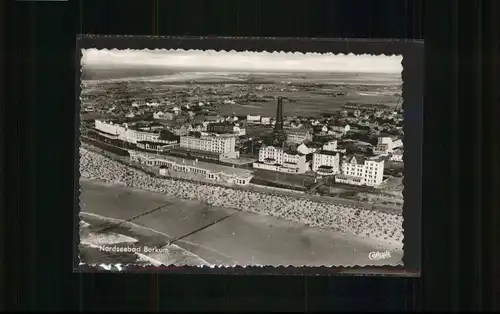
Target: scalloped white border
251	51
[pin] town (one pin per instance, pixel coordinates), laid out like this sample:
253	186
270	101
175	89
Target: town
355	153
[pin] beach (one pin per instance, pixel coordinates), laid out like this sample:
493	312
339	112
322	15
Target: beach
242	239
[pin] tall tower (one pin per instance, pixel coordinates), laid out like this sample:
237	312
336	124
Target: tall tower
279	136
279	114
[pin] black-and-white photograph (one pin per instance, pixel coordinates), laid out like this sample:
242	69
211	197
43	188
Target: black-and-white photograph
226	158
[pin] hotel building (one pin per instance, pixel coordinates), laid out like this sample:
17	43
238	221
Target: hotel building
277	159
225	145
358	170
326	162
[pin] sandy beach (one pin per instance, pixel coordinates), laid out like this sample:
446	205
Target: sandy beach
242	239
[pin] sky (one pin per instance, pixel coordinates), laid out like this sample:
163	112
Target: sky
232	61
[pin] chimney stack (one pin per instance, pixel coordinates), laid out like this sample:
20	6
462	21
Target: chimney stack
279	114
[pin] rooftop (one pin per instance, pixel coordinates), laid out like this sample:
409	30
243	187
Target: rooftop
325	167
166	135
198	151
360	159
226	123
314	145
287	150
328	152
151	143
102	132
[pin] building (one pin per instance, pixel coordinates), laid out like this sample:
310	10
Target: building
277	159
225	127
253	119
109	129
169	115
225	145
134	136
168	137
397	155
326	162
340	128
124	133
152	146
298	136
194	154
214	172
213	118
265	120
385	145
357	170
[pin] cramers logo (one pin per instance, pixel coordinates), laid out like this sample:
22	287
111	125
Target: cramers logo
376	256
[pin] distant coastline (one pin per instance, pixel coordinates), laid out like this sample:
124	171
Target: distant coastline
90	74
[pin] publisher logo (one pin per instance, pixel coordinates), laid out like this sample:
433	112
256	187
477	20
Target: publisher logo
377	256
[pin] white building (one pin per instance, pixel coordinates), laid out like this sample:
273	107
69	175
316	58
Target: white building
340	128
265	120
239	131
397	155
386	145
277	159
225	145
153	146
253	119
152	104
109	128
326	162
134	136
357	170
298	136
169	115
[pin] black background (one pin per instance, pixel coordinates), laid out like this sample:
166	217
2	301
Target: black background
459	161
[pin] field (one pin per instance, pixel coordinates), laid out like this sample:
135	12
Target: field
307	94
295	180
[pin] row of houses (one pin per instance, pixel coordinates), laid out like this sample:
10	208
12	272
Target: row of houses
327	161
257	119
